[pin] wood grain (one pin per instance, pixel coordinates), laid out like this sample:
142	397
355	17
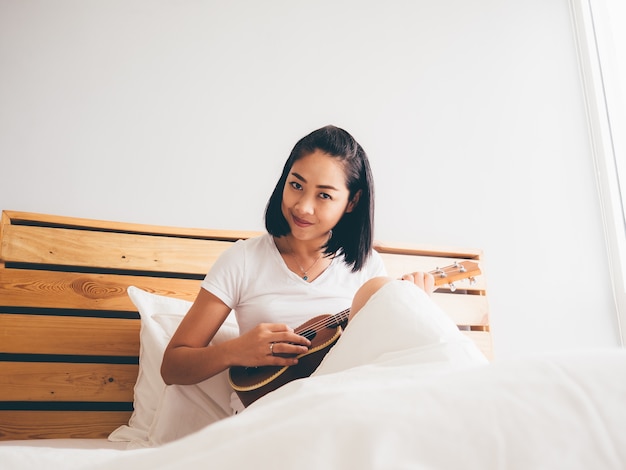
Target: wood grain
60	424
36	219
109	250
50	334
42	381
35	288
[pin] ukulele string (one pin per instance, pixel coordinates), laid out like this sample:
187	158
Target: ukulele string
325	322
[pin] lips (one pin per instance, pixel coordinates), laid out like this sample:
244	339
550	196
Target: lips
300	222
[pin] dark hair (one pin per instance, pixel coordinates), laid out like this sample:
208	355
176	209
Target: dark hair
354	233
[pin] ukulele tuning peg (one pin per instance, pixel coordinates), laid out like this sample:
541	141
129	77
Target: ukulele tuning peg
452	287
440	272
472	281
460	267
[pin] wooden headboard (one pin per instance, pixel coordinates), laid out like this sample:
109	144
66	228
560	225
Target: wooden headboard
69	334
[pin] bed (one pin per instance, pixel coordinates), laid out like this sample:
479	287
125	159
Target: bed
87	307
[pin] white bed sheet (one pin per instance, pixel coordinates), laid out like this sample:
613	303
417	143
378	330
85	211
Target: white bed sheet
562	410
61	454
431	406
68	444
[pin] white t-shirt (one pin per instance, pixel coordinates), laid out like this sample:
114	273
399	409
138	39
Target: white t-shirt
252	278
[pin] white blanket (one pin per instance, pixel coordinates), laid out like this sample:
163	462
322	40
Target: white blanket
434	405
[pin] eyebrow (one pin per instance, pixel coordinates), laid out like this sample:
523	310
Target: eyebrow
320	186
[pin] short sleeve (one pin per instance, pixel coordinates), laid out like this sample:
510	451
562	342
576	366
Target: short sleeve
224	280
375	266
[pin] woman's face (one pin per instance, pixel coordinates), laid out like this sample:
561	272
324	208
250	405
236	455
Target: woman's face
315	196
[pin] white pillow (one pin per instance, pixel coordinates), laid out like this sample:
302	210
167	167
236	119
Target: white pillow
160	317
185	409
411	323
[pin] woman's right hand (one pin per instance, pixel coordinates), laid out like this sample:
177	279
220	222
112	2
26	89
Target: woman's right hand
189	357
270	344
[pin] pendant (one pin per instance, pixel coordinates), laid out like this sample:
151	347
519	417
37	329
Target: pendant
305	277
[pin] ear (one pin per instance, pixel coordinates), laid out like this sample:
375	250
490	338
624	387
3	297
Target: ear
353	202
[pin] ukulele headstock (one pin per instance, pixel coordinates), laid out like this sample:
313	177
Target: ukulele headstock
456	272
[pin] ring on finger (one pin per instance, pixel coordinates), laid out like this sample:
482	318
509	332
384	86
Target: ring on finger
272	349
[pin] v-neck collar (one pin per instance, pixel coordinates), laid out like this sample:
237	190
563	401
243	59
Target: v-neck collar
281	260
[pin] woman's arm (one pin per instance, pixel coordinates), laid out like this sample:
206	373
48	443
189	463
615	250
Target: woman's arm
189	359
424	281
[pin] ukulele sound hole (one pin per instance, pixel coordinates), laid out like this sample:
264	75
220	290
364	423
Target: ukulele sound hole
309	334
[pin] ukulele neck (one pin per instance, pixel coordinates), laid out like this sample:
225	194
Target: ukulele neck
341	318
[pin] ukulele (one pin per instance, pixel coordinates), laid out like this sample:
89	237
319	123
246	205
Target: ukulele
251	383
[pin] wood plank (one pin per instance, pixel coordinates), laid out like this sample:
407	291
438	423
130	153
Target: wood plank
43	381
4	221
108	250
30	288
48	334
472	310
32	218
427	250
60	424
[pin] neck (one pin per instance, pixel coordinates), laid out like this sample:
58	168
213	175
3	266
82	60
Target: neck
305	258
303	248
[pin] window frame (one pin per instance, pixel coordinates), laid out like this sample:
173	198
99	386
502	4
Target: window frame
606	113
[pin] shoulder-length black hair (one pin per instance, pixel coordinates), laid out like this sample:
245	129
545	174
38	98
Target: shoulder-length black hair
354	233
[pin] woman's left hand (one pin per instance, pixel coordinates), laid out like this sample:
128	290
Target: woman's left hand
425	281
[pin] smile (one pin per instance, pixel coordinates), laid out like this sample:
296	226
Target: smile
300	222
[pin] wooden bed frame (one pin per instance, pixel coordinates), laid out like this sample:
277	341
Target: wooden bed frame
69	334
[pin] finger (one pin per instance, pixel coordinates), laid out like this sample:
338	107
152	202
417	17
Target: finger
429	283
290	337
423	280
276	327
287	350
418	279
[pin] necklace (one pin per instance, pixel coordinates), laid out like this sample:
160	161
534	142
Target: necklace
305	272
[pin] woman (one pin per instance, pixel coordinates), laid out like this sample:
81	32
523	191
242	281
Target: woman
313	260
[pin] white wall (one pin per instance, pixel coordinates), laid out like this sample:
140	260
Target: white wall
182	113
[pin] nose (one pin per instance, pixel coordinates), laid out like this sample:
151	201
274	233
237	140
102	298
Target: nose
305	205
